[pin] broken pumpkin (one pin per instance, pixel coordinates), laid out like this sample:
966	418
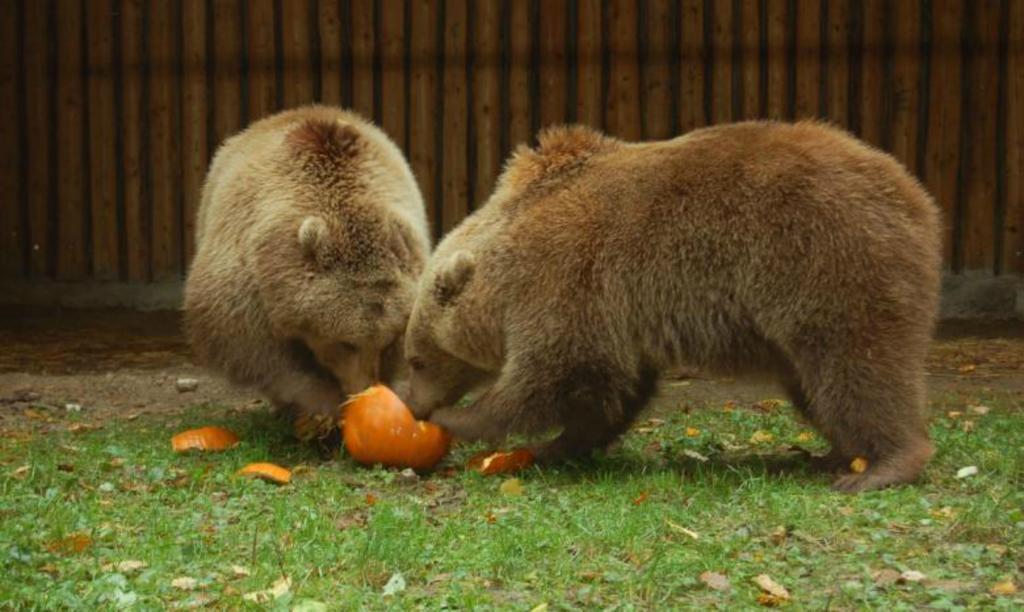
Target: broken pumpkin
204	439
488	462
379	428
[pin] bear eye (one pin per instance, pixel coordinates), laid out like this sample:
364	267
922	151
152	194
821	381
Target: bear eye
416	364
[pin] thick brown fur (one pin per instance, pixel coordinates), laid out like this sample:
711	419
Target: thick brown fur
792	250
310	238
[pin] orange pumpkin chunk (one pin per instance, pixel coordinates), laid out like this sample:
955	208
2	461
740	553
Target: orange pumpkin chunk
267	471
488	463
379	428
204	439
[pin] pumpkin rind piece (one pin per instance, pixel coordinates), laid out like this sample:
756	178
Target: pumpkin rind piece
204	439
267	471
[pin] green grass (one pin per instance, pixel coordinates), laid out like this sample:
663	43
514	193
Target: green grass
598	535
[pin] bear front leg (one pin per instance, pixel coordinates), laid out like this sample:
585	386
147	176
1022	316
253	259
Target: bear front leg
313	400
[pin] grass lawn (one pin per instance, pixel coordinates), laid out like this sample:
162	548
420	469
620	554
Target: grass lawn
709	489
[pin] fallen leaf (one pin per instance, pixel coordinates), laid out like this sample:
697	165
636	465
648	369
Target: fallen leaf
954	414
309	605
805	436
768	405
49	568
715	581
762	437
858	465
943	512
779	534
770	601
66	467
371	499
540	608
1005	587
912	576
886	577
184	583
74	543
641	498
979	409
683	530
83	427
770	586
967	426
729	406
967	368
238	571
692	454
952	586
969	470
692	432
131	565
21	473
280	587
395	584
512	487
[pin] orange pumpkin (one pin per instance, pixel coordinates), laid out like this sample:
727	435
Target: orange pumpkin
267	471
488	463
379	428
204	439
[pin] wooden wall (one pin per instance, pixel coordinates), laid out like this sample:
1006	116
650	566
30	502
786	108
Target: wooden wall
110	109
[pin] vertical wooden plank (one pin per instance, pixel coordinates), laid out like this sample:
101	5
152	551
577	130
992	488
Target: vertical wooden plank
227	53
329	22
520	116
691	65
133	122
102	135
590	71
424	103
163	145
297	53
12	245
392	69
38	91
624	81
721	71
194	110
778	69
656	116
1013	237
943	148
71	188
839	62
905	82
553	87
872	66
980	193
262	59
750	58
455	198
362	57
486	112
808	57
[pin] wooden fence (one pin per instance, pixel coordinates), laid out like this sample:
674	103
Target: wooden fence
111	109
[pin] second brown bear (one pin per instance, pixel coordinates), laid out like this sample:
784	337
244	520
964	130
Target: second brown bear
794	250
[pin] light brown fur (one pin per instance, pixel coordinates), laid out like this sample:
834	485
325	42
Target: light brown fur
310	237
787	249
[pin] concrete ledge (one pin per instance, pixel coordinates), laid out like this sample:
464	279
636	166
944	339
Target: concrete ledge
968	296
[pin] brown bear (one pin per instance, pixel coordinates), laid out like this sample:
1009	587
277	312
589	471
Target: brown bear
792	250
310	238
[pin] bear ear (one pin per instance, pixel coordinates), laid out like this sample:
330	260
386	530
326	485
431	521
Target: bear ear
312	235
453	277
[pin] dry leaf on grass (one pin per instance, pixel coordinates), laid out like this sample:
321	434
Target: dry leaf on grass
762	437
83	427
692	432
280	587
979	409
715	581
805	436
692	454
683	530
912	576
886	577
512	486
641	498
1005	587
395	584
131	565
184	583
74	543
239	572
770	586
967	368
770	601
21	473
967	471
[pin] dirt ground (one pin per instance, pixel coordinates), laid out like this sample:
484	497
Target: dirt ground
123	364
